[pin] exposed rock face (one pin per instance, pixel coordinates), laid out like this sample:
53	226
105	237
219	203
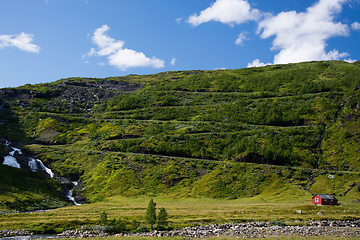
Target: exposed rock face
75	96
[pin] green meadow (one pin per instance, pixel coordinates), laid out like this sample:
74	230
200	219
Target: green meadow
183	212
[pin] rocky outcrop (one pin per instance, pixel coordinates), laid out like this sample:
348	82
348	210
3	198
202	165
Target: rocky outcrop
242	230
11	233
71	95
83	234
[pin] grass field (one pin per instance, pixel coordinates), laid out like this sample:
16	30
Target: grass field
182	212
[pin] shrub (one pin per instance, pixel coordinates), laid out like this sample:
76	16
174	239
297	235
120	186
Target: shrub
278	223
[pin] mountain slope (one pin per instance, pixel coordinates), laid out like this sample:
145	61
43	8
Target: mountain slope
197	133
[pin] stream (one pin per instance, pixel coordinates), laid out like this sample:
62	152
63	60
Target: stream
35	165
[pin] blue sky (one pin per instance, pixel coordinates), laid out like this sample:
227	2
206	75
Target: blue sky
46	40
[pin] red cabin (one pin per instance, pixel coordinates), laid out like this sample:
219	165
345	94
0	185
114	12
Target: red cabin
324	199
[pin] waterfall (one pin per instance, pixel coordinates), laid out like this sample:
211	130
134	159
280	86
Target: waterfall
36	164
70	195
11	161
15	150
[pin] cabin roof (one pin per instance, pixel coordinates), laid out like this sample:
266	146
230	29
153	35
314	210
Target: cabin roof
326	196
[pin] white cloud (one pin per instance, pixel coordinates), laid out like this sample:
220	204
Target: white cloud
226	11
101	64
118	56
241	38
22	41
127	58
257	63
173	60
355	26
178	20
91	53
301	36
349	60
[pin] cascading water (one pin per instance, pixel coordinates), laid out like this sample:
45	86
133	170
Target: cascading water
11	161
35	165
71	198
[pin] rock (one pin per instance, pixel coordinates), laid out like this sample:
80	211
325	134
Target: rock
246	230
320	213
298	211
331	176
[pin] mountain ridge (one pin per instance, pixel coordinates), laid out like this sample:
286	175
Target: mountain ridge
161	130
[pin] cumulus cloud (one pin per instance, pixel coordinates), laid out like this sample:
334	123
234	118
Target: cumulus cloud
118	56
302	36
349	60
21	41
226	11
355	26
257	63
241	38
173	60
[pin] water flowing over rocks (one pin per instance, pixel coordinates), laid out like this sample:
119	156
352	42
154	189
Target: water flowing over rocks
19	159
16	158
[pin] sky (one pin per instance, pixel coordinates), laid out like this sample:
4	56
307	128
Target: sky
47	40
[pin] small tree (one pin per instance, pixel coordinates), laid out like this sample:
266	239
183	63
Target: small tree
162	218
103	218
150	216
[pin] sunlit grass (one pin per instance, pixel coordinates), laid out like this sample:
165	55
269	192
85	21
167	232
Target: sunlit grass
182	212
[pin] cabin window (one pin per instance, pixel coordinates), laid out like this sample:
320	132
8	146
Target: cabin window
316	200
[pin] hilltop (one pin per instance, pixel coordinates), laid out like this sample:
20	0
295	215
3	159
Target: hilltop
269	131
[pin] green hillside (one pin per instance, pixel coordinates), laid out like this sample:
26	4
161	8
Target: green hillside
274	130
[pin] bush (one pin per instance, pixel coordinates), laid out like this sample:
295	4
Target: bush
134	225
278	223
118	226
142	228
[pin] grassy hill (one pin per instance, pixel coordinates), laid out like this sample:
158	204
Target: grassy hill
268	131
